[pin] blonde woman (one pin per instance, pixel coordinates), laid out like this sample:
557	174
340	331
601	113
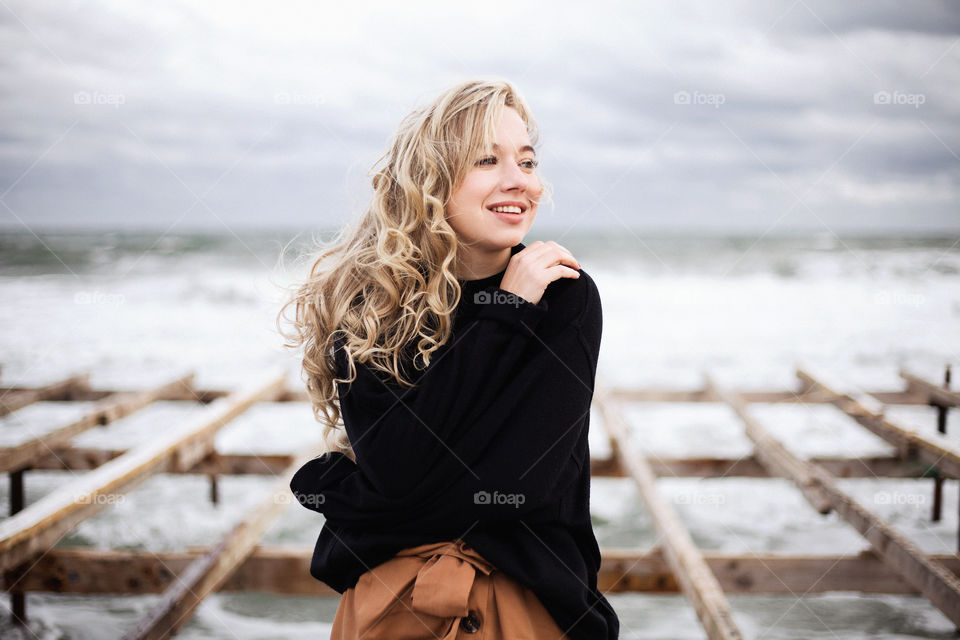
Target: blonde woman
456	494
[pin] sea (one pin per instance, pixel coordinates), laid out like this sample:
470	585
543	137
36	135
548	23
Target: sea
136	309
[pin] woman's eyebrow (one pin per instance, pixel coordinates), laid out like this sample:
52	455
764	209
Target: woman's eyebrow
525	147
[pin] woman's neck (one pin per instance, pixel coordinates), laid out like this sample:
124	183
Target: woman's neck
476	265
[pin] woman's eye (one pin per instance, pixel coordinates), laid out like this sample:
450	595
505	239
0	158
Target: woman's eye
491	160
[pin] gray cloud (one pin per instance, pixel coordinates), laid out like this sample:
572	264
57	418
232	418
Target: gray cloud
690	114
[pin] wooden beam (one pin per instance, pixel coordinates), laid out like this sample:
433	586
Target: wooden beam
206	573
111	408
633	570
87	394
752	467
868	412
939	586
773	455
651	394
696	580
13	399
86	458
38	527
936	394
285	570
280	570
655	394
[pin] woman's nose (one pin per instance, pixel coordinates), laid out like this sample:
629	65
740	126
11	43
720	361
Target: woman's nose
513	177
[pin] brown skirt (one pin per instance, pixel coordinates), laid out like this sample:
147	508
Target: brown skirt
442	590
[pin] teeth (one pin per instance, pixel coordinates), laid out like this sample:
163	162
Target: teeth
508	209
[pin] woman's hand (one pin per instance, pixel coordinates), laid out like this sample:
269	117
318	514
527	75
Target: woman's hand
531	270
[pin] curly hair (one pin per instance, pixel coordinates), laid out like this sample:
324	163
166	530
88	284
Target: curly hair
387	279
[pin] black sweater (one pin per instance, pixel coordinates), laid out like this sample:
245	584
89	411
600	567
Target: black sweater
491	447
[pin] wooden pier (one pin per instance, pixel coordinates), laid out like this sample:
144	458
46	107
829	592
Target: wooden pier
31	561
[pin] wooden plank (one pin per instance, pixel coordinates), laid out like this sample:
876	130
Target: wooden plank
632	570
650	394
653	394
286	570
939	454
773	455
932	579
936	394
833	385
203	396
751	467
111	408
86	458
39	526
696	580
281	570
11	400
209	571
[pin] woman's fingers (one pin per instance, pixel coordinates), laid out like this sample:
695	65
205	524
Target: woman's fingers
531	270
550	249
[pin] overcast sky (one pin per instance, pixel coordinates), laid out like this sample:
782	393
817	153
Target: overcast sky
720	116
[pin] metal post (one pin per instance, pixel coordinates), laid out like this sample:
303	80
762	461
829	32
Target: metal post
18	603
942	428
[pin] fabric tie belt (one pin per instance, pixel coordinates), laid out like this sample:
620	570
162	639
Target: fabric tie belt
437	590
442	586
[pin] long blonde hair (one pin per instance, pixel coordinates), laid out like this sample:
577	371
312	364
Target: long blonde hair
388	278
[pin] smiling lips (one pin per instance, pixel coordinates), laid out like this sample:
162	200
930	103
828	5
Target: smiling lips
508	212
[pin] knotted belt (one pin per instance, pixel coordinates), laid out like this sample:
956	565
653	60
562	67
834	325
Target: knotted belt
442	586
430	588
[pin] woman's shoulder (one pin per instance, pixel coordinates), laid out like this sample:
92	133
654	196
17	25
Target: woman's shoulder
574	300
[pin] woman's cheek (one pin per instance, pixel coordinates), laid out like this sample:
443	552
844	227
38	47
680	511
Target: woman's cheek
536	188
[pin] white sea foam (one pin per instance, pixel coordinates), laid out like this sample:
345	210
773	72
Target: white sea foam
673	308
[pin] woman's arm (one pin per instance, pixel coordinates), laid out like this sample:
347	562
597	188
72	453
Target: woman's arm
398	433
527	444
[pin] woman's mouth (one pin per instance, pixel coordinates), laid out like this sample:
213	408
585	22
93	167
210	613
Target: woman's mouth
508	213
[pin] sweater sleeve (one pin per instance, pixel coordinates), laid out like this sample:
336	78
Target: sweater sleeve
397	433
522	463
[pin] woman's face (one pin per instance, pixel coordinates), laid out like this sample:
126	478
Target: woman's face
504	179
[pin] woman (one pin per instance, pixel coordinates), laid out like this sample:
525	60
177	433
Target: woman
462	363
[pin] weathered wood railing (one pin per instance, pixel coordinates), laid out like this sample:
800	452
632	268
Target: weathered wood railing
31	561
